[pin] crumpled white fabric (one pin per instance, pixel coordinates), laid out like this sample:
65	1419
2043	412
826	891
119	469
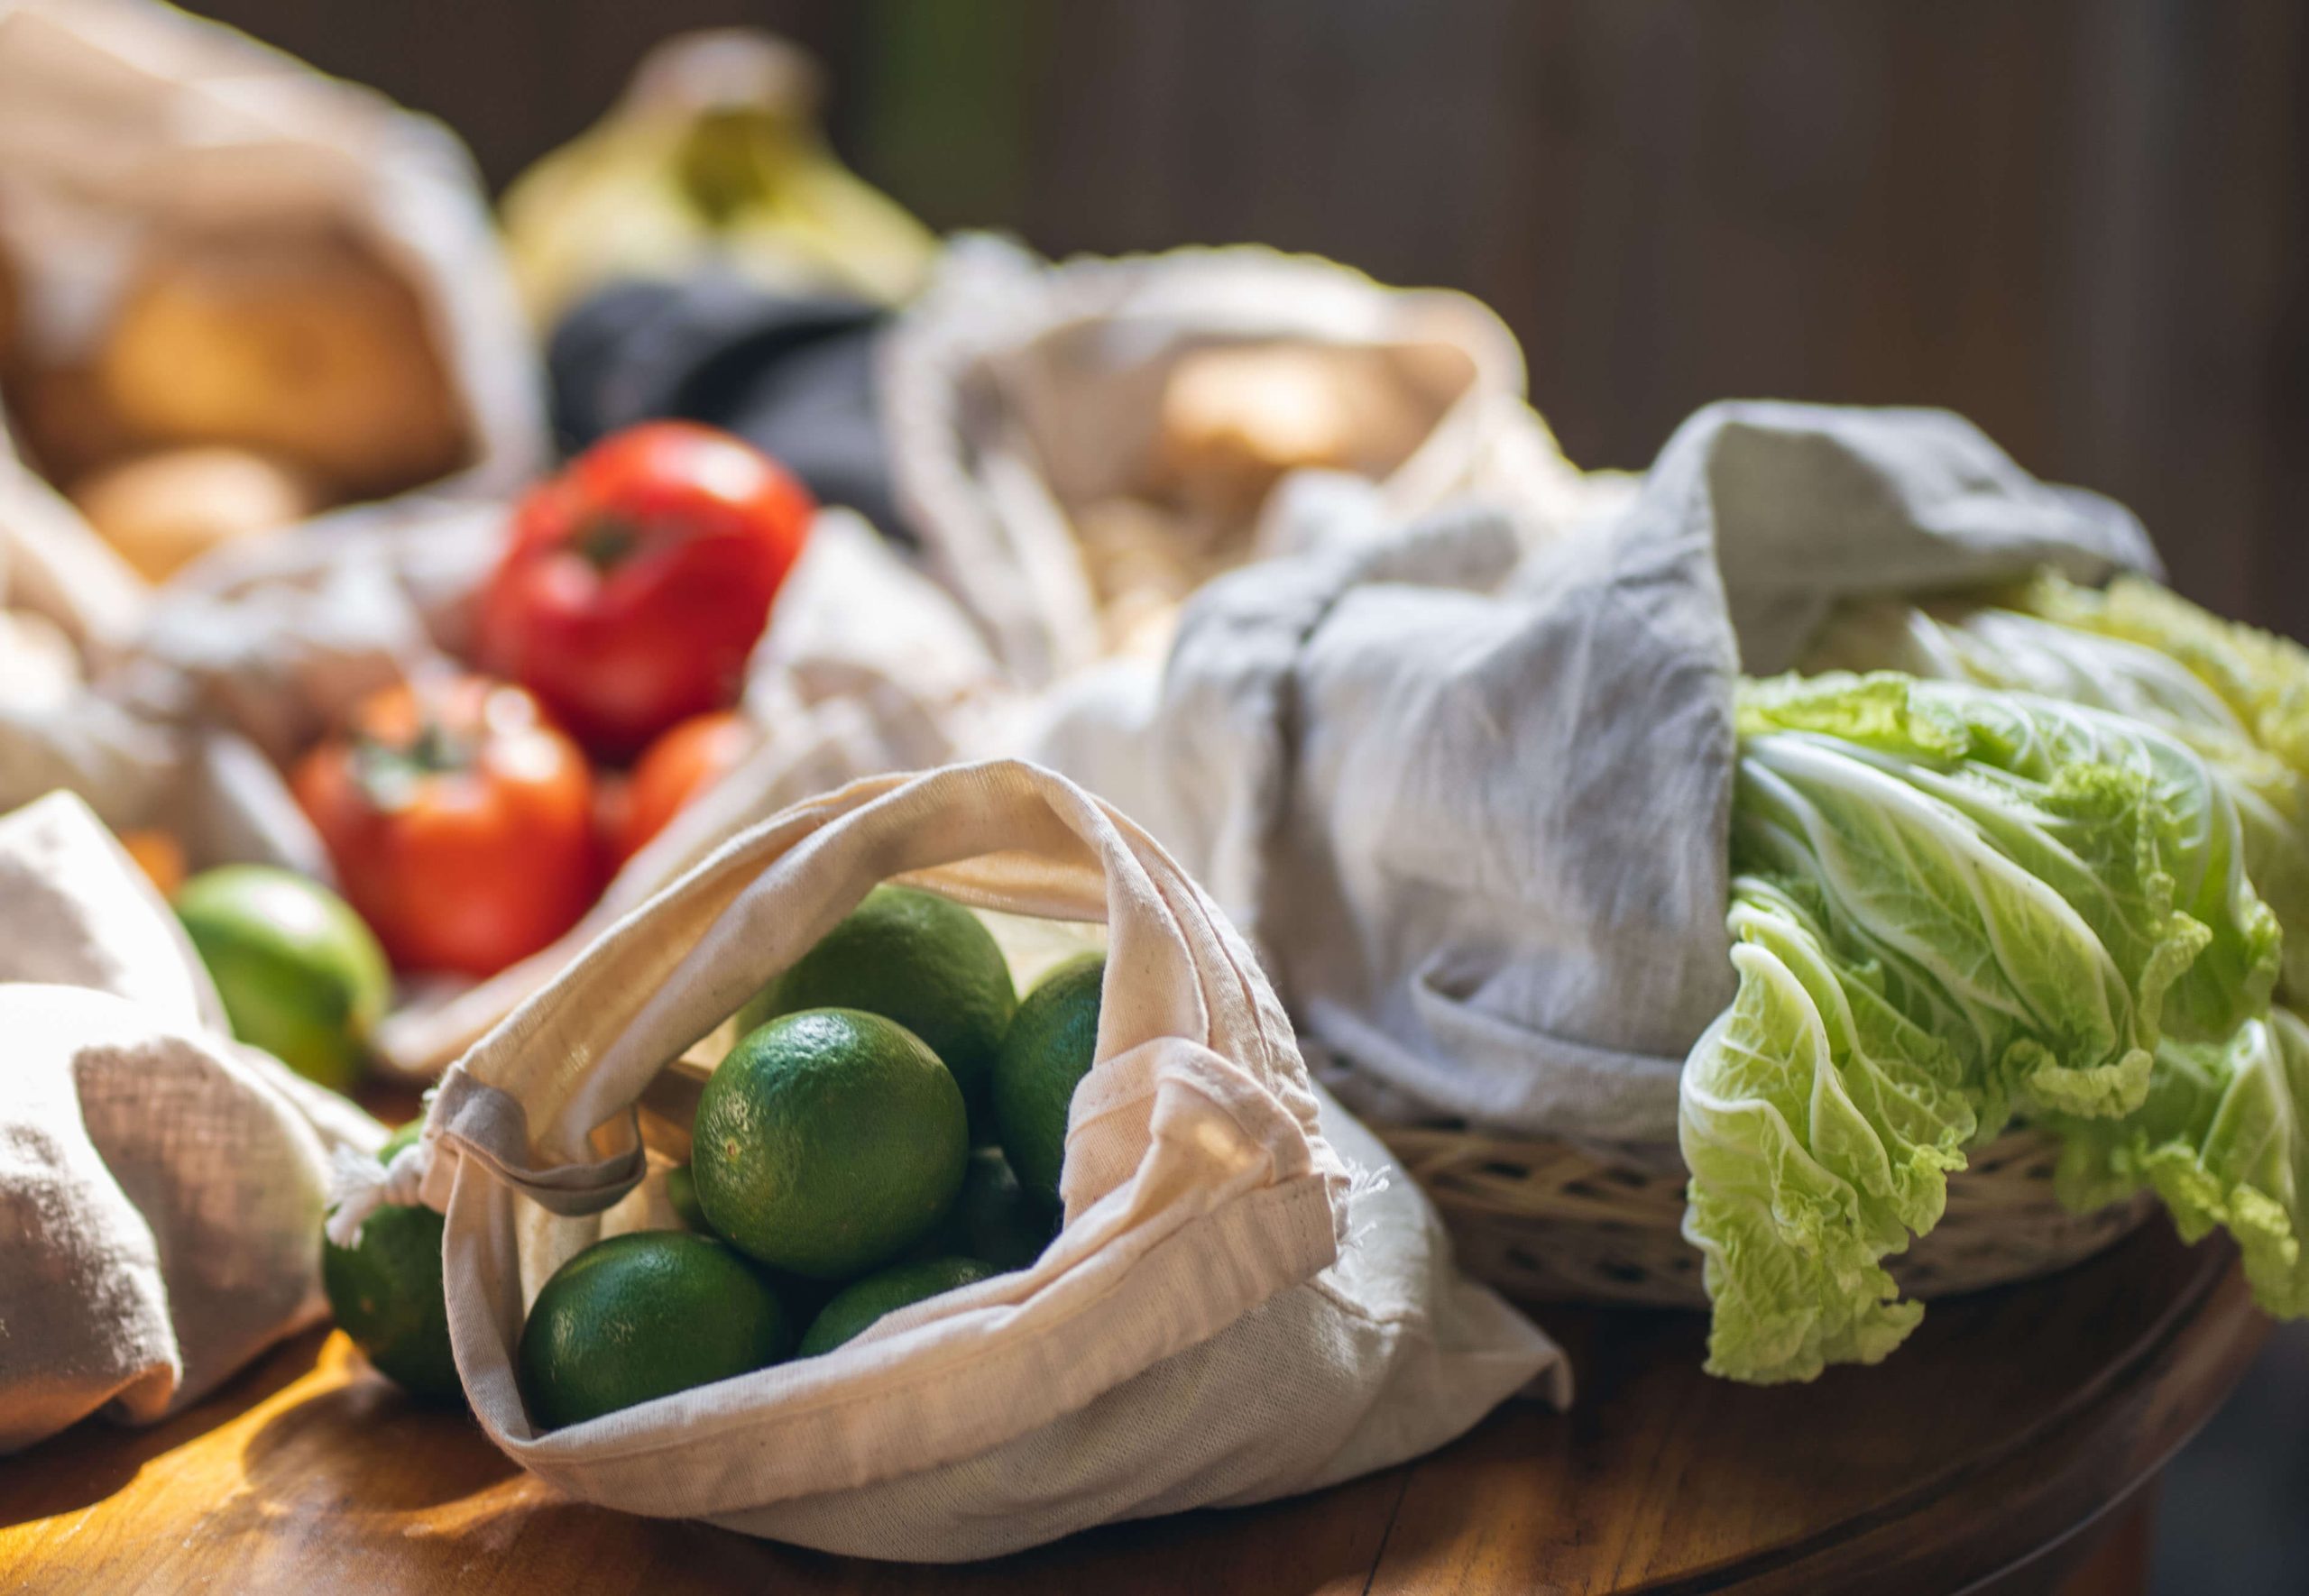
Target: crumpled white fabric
1468	793
161	1186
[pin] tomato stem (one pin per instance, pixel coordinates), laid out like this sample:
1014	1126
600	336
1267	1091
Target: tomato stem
605	541
389	775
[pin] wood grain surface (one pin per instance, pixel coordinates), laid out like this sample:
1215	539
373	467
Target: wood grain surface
1989	1453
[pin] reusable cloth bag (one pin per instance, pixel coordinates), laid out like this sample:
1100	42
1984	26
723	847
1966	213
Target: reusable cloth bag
1231	1313
1020	399
118	117
161	1186
1468	792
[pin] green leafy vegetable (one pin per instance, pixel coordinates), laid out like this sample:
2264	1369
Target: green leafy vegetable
2264	679
1940	819
1980	641
1819	1124
1952	904
2144	653
2221	1140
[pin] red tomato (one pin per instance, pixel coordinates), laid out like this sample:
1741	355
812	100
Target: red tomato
637	582
460	822
678	766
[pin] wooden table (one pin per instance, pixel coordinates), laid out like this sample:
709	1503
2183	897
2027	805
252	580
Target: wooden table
1997	1452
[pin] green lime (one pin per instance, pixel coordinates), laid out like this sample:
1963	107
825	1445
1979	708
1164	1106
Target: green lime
300	974
993	1220
828	1142
914	958
859	1305
681	1193
640	1316
803	1297
1043	1057
385	1291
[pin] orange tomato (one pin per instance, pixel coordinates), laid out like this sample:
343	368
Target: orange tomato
678	766
460	822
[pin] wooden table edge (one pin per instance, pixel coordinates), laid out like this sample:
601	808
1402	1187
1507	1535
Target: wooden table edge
2214	1322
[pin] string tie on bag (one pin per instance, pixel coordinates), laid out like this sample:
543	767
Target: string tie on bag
1363	1183
359	1186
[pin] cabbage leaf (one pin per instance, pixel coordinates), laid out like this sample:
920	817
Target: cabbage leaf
2262	678
1952	904
2144	653
2220	1138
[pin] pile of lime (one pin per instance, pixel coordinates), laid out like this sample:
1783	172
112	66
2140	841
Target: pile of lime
889	1126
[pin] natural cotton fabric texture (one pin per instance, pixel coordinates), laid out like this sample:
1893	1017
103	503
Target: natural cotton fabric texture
1382	1356
1014	393
1467	787
1231	1314
161	1186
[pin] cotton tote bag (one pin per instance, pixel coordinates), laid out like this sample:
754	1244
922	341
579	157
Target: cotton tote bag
1232	1312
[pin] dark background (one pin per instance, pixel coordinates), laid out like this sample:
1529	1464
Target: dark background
2083	223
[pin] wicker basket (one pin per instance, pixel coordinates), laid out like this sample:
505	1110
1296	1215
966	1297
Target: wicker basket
1548	1221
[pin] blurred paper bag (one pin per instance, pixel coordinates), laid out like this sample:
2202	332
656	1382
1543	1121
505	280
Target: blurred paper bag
160	167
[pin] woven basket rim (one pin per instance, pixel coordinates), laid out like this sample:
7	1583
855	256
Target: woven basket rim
1551	1218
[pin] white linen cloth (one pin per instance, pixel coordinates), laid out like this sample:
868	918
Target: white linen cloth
1467	790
